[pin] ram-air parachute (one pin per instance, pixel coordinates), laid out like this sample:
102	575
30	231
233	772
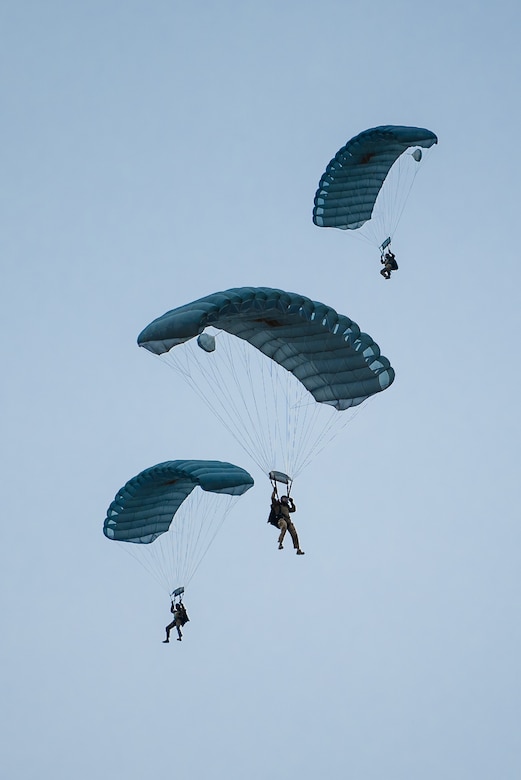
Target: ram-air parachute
171	512
274	366
367	183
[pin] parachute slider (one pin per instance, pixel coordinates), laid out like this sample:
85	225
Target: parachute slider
385	244
206	341
177	592
279	476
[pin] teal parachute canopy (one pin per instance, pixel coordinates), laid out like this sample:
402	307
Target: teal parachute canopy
145	507
352	182
327	352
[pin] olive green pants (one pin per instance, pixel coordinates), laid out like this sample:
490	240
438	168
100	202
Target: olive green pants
287	525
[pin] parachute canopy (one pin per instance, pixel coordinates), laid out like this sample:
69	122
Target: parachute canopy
327	352
145	507
352	182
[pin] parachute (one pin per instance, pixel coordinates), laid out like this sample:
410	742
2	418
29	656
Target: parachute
274	366
367	183
171	521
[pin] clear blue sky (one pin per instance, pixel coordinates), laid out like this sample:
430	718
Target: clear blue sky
154	152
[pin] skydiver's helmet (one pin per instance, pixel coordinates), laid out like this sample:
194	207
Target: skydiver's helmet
284	499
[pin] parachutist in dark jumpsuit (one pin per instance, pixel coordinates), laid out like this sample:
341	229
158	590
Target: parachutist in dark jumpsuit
281	510
180	618
389	264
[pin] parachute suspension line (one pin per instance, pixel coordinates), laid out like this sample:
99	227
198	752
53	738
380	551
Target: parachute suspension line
290	424
221	396
145	561
238	402
305	425
296	428
290	485
247	396
281	419
424	158
403	162
302	418
174	360
392	200
154	560
174	557
317	436
205	517
260	432
264	407
309	425
336	422
327	435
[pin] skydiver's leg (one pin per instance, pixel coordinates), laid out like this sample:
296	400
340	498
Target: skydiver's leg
177	624
169	627
283	528
293	533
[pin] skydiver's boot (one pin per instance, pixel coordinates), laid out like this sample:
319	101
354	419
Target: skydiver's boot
300	552
166	641
280	546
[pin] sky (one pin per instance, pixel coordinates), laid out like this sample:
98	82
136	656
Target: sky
153	153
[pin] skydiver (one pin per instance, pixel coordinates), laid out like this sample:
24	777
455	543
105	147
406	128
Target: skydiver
389	263
180	618
280	516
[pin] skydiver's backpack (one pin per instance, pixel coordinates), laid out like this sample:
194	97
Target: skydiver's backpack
272	519
394	264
